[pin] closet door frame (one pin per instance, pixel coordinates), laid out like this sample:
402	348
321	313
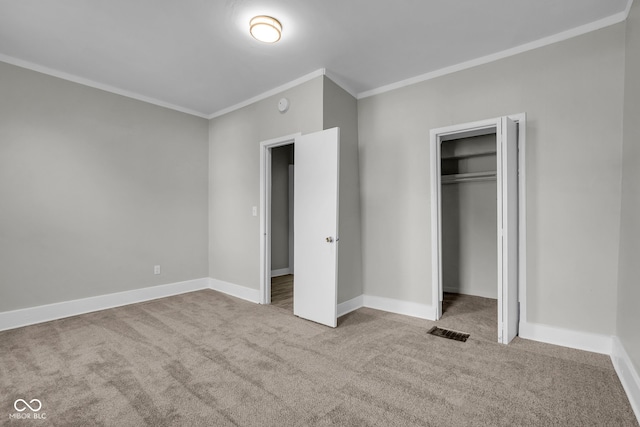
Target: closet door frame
483	127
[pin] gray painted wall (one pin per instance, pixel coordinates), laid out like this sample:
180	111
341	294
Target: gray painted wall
234	251
572	92
234	176
95	189
281	158
340	109
469	220
629	290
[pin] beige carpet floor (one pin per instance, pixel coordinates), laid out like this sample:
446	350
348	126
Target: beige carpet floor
207	359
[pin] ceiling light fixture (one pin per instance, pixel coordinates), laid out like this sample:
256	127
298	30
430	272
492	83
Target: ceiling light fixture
265	29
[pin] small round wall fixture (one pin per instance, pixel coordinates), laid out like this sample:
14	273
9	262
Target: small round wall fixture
265	28
283	105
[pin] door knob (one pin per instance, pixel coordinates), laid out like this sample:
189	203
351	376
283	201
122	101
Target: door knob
329	239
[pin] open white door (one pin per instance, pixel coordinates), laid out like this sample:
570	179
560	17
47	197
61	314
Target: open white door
316	226
507	176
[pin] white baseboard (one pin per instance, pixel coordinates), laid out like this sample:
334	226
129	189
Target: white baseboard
349	306
567	338
280	272
234	290
44	313
407	308
628	375
476	293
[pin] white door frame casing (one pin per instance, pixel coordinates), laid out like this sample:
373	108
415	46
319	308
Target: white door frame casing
265	212
461	131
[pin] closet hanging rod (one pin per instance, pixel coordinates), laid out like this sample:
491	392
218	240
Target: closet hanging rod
468	177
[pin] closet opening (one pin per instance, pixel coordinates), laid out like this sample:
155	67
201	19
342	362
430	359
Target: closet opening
478	206
469	229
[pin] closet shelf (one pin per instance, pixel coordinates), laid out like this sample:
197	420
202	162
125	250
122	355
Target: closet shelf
469	155
468	177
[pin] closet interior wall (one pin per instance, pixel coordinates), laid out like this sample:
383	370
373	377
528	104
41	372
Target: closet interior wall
469	216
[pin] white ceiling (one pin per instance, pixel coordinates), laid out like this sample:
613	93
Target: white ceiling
197	55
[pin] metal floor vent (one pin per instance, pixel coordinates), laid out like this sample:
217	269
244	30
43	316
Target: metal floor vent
446	333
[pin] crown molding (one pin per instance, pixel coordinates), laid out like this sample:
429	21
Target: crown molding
628	9
565	35
274	91
86	82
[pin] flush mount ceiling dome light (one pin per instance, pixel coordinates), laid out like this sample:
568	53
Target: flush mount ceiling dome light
265	29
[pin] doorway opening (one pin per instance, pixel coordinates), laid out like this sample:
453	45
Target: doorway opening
282	261
316	223
478	222
276	215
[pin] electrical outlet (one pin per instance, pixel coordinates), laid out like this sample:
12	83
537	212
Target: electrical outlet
254	211
156	269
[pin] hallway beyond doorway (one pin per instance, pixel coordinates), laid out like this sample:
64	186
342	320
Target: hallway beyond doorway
282	291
